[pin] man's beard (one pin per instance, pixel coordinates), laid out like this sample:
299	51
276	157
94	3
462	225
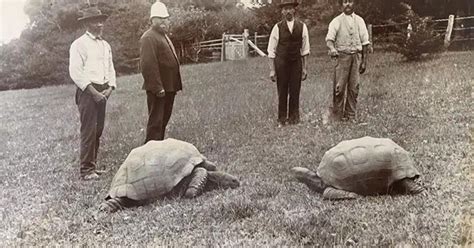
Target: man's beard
348	10
289	17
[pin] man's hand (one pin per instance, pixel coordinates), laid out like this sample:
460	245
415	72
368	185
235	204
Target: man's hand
98	97
304	75
160	93
107	92
273	76
333	53
362	67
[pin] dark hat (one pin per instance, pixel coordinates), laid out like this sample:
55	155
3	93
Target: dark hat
284	3
91	13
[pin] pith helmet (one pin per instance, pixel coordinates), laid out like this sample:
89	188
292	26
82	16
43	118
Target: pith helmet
159	9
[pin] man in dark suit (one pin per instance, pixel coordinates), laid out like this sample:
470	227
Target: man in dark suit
160	70
288	48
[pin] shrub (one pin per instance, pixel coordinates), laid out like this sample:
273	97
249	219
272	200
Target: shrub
419	40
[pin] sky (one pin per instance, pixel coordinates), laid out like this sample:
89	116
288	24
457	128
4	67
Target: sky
12	19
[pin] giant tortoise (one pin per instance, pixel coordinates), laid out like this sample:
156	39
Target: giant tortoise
364	166
161	169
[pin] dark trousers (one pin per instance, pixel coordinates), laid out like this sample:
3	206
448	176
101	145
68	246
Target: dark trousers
159	113
346	85
288	74
92	116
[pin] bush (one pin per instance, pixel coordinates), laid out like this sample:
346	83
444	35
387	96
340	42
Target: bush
422	39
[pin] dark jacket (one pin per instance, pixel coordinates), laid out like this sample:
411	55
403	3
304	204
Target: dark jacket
289	44
158	63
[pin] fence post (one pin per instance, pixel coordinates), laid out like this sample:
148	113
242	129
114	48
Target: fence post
449	31
245	49
256	40
371	40
223	48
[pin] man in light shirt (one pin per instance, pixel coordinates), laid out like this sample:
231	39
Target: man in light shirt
288	48
92	70
348	41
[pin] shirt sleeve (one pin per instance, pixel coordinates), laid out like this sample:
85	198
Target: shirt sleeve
76	66
273	42
112	76
332	30
364	33
305	47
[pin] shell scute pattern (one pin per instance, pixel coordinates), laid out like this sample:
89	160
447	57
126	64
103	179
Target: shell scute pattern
154	169
366	165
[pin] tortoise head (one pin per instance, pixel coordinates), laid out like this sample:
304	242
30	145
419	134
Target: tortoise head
222	180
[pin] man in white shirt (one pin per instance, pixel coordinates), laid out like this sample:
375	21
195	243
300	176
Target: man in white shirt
347	40
92	70
288	48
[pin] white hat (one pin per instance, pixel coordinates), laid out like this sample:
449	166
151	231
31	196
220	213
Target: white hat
159	9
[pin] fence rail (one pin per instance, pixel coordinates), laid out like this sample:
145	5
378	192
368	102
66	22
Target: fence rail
452	25
245	44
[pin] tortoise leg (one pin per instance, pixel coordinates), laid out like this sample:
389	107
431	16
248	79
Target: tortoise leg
198	180
409	186
331	193
310	178
114	204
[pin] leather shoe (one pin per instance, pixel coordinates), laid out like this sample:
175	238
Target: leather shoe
100	172
90	176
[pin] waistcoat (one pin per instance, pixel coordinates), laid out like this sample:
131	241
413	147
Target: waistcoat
289	44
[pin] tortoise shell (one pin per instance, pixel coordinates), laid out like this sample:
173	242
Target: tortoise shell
366	165
154	169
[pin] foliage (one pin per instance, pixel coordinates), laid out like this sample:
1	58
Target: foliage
123	30
419	38
213	5
268	15
232	21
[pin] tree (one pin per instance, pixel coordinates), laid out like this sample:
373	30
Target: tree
419	38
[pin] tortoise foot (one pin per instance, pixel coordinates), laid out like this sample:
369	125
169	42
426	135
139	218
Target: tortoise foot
338	194
198	180
409	186
111	205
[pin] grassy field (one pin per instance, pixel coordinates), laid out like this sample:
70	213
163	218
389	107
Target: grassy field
228	111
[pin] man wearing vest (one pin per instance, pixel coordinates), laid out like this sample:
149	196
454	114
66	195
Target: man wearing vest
160	70
347	40
92	70
288	48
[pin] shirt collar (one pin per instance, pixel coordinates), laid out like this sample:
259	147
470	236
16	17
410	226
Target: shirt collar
291	22
93	36
351	15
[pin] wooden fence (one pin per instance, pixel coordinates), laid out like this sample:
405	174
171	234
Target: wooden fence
455	29
240	46
232	47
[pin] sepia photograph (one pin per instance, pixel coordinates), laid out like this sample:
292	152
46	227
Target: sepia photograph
236	123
